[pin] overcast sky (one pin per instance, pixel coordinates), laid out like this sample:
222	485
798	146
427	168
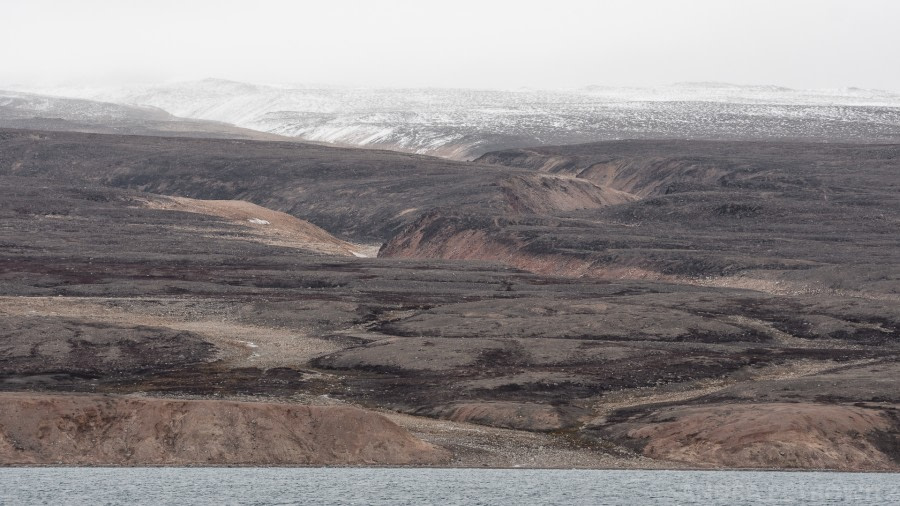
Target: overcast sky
458	43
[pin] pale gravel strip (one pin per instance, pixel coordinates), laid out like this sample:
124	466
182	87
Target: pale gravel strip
482	446
272	347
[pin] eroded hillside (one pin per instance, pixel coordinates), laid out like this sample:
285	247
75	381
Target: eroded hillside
515	316
783	218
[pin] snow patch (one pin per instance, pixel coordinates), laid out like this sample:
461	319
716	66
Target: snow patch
366	250
465	123
257	221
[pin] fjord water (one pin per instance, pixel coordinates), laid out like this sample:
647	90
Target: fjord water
381	486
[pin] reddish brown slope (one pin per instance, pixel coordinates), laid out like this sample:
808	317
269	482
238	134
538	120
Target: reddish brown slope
91	430
767	435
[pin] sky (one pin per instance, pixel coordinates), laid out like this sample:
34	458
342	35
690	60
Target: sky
459	43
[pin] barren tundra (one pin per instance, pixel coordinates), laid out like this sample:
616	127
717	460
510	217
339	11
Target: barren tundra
623	304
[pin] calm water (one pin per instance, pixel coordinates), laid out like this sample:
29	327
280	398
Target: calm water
437	486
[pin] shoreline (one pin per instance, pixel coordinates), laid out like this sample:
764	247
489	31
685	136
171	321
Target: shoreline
667	470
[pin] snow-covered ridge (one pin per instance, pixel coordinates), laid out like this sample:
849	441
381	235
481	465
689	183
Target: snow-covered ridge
732	93
465	123
18	104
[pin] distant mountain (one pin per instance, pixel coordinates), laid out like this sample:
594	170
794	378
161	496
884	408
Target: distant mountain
34	111
463	124
27	105
757	94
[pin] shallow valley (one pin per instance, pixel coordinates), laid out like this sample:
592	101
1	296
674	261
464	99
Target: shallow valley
630	304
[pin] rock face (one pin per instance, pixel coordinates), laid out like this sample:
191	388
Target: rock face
93	430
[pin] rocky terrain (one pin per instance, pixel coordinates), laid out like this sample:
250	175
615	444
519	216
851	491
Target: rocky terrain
360	194
777	217
628	304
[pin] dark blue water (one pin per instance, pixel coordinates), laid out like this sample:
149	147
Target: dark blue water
132	486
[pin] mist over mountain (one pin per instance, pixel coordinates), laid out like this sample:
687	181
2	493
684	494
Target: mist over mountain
632	235
46	112
617	303
466	123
